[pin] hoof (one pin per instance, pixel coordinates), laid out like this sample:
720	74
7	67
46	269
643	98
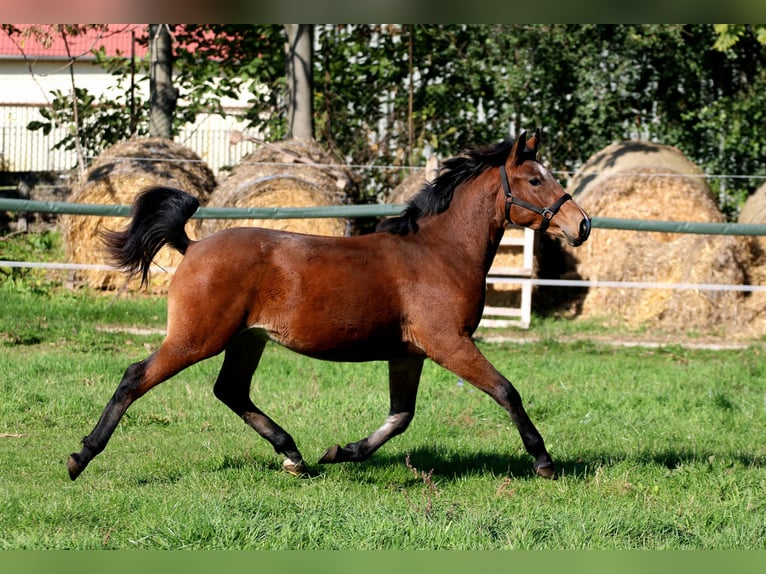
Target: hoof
296	469
547	470
330	455
73	466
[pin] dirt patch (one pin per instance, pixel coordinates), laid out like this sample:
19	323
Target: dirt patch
652	341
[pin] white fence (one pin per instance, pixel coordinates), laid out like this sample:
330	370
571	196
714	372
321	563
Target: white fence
24	150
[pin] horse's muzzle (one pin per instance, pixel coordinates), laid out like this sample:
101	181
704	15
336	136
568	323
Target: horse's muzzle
584	232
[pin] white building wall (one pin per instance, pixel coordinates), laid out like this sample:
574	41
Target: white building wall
32	82
24	91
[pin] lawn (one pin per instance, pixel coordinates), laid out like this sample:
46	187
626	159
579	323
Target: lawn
658	448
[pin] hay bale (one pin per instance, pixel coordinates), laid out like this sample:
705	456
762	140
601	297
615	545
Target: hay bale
414	182
115	177
753	311
636	157
637	180
754	211
288	174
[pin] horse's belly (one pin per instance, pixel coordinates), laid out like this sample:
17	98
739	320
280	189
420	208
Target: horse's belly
342	343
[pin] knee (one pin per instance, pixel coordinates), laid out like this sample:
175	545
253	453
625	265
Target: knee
398	422
129	387
508	395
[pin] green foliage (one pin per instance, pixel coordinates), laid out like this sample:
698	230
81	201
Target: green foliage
393	94
92	123
44	246
99	122
730	34
586	85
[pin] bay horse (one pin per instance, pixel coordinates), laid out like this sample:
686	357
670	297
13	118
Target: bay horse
413	289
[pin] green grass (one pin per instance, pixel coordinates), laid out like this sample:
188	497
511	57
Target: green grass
657	448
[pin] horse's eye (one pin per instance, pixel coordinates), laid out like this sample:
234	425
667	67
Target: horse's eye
534	181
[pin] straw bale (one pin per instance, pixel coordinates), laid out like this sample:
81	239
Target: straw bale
754	305
273	191
754	211
407	189
286	174
301	159
115	177
414	182
636	180
636	157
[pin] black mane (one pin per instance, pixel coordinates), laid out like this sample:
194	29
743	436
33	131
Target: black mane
435	196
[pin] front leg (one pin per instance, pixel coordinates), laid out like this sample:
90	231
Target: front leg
403	380
467	362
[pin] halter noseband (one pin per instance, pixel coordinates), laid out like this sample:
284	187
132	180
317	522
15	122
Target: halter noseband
546	213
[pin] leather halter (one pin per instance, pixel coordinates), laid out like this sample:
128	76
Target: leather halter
546	213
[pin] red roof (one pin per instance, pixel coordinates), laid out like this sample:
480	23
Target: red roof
113	37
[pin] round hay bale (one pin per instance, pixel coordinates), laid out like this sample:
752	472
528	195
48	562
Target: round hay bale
289	174
407	189
754	211
115	177
637	180
753	310
636	157
414	182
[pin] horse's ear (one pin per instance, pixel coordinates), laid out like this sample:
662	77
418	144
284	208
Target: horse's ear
518	149
533	143
526	149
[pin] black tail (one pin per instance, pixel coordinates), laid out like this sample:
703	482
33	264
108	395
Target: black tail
158	217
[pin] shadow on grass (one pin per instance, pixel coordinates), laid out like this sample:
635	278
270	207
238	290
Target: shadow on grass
454	466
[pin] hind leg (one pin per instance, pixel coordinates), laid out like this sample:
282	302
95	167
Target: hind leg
403	380
233	389
138	379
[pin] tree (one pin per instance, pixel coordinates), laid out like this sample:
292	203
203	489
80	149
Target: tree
163	95
300	96
729	34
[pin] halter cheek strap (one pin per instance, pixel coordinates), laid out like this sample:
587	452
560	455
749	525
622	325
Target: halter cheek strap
546	213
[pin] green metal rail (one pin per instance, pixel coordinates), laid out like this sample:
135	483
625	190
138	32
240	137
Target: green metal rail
372	210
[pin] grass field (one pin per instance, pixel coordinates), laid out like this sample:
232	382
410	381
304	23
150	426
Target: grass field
657	448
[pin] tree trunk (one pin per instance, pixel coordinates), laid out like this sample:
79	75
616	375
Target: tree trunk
163	95
300	106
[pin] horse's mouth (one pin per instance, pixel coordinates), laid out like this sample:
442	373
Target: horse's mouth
575	242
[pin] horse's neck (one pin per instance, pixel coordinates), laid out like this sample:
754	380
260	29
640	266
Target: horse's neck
468	229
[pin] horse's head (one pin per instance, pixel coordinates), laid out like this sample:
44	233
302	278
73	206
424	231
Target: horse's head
531	196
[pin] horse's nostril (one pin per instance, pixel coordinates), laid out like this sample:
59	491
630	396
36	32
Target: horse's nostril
584	228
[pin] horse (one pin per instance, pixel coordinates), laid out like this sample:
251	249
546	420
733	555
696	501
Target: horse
414	289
